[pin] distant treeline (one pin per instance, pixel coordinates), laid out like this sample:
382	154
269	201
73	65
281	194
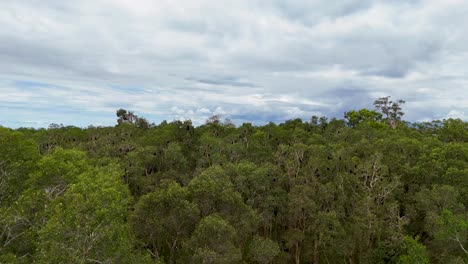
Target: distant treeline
368	188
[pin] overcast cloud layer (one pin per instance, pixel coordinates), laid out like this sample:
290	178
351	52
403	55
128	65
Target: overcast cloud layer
76	62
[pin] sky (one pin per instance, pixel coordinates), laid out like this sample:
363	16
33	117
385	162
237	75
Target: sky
77	62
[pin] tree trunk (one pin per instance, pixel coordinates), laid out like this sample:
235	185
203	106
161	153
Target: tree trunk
297	255
316	252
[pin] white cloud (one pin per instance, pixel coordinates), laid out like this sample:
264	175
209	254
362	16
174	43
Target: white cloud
457	114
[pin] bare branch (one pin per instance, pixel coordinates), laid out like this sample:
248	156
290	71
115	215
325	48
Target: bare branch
460	243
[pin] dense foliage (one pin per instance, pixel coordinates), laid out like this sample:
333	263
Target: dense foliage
358	190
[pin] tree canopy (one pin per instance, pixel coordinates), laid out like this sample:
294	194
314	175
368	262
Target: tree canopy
368	188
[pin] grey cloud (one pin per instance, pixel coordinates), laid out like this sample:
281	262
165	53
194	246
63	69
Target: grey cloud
310	12
256	60
226	80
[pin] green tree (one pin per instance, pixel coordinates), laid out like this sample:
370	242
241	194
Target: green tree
48	180
263	250
213	241
164	218
214	193
454	227
88	223
415	252
353	117
391	109
454	130
18	156
128	117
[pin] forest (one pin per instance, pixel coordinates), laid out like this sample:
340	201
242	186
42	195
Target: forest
367	188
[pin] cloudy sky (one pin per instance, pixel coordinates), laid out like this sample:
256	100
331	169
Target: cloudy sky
77	62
